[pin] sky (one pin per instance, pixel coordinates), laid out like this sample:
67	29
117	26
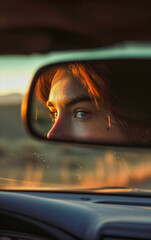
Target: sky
14	82
16	72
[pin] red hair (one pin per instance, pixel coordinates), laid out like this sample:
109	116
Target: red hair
82	72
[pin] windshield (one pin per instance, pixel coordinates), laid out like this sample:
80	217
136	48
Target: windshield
27	164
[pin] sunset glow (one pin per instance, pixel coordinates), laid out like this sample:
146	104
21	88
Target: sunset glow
16	73
16	82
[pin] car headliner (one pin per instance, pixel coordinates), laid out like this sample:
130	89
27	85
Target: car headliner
41	26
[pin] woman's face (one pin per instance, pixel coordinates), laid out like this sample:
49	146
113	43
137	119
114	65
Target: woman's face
76	117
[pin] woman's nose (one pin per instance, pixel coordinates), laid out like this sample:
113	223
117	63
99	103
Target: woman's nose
60	130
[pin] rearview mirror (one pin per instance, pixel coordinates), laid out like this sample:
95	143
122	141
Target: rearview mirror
103	99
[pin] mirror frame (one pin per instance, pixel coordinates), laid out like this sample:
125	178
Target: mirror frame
123	52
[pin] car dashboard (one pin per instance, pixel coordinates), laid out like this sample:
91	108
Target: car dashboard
52	215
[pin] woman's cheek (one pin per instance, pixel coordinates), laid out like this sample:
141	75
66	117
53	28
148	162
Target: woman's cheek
83	129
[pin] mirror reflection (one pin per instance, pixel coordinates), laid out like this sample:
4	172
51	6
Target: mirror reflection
101	101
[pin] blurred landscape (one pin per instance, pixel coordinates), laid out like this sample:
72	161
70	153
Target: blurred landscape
11	99
30	164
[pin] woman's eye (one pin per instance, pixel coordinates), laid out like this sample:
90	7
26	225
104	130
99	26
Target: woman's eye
82	114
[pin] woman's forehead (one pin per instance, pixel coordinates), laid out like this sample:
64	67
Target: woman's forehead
66	87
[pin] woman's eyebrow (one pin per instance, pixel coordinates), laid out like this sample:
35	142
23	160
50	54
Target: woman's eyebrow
75	100
72	101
